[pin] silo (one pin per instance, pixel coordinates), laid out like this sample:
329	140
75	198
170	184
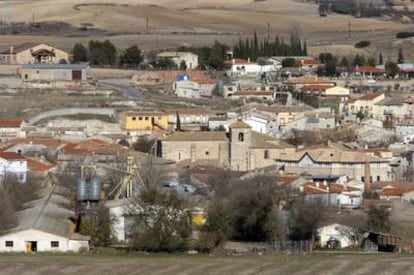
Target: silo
81	190
95	188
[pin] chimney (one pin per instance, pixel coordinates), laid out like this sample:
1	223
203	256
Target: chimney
367	176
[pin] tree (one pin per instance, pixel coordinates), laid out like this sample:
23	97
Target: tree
380	59
379	219
344	62
161	223
306	217
400	56
131	56
359	60
360	115
183	66
97	224
177	122
143	144
80	53
371	62
102	53
392	68
288	62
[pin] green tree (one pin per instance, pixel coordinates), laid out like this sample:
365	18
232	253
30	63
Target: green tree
131	56
102	53
379	219
391	68
380	59
359	60
80	53
360	115
183	66
344	62
177	122
97	224
400	56
371	62
288	62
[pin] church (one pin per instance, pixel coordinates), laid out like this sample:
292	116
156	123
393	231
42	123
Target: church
241	149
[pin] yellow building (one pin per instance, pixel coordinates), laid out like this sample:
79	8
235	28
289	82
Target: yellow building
139	121
364	104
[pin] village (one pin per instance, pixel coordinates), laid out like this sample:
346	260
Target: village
89	138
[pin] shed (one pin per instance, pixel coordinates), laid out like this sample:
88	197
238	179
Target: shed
55	72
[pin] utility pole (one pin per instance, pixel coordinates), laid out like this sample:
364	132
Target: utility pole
349	29
146	24
268	31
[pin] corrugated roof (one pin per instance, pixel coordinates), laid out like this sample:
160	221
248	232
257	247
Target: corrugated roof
47	214
197	136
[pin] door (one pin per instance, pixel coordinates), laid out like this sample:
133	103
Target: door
76	75
31	246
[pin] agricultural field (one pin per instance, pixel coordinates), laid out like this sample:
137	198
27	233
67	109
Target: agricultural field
317	263
170	23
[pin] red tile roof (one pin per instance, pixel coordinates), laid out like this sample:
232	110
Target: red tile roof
310	62
316	87
368	69
312	188
10	122
237	61
11	156
38	166
397	191
257	93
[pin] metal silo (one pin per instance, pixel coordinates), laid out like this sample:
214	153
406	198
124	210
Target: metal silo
95	188
81	190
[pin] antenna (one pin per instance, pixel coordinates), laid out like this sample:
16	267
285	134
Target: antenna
6	13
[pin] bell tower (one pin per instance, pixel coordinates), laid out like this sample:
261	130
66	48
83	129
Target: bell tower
240	140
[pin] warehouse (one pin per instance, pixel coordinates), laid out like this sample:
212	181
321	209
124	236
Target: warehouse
55	72
45	226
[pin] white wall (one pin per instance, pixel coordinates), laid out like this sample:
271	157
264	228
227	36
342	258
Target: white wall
336	231
15	167
43	240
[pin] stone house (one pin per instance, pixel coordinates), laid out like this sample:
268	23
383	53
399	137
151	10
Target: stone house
55	72
190	59
31	53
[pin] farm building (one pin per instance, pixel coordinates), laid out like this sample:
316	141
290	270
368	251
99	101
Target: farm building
55	72
45	226
29	53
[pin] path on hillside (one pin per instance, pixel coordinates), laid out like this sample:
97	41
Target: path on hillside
122	85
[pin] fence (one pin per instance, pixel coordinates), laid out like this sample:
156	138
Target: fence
293	247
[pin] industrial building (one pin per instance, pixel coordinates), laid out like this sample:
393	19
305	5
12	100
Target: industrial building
55	72
45	226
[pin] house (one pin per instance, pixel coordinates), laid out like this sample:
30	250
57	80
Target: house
299	82
190	59
190	118
320	121
10	128
393	109
405	129
55	72
13	164
195	88
31	53
262	122
345	235
240	150
401	191
136	121
367	72
364	104
333	161
262	95
284	114
44	226
236	67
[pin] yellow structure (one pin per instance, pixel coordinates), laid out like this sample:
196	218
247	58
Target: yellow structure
364	104
138	121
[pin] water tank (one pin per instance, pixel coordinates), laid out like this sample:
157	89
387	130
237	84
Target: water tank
81	190
95	188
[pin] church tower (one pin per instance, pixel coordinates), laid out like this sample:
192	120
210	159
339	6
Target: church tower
240	140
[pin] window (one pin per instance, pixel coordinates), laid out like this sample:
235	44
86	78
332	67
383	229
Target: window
207	153
378	178
9	243
54	244
146	118
134	118
266	154
140	118
241	137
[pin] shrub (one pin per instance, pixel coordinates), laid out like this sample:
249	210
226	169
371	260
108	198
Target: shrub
362	44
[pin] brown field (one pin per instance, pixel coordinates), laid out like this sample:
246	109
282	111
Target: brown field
198	22
336	263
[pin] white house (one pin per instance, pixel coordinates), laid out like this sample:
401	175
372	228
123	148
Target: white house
245	67
190	59
44	226
347	236
194	88
10	128
13	164
264	123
